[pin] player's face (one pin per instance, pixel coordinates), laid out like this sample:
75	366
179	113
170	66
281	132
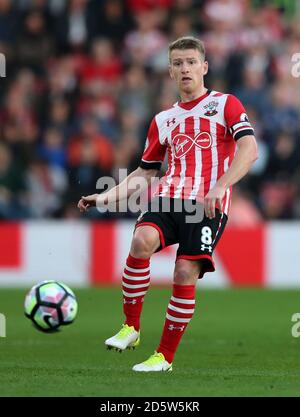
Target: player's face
187	68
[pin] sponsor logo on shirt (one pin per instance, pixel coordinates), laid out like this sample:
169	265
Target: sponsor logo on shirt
183	143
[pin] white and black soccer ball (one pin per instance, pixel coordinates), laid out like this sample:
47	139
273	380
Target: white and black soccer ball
50	304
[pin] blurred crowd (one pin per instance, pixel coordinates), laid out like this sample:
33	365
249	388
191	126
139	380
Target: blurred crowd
85	77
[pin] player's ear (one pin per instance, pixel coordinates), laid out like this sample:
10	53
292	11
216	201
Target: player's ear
170	71
205	67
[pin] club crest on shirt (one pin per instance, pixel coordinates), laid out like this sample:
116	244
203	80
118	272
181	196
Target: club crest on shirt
211	108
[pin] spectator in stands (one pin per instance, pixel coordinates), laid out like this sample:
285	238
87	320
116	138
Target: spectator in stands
104	65
281	114
52	149
254	91
115	21
34	45
46	186
76	26
12	187
90	156
284	158
225	13
146	41
9	18
135	94
59	116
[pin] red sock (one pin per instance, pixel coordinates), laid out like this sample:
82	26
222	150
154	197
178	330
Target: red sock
135	283
179	313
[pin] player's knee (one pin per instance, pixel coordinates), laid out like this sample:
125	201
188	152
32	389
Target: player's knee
186	272
182	275
142	246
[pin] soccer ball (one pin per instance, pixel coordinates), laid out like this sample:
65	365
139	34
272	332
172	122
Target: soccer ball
50	304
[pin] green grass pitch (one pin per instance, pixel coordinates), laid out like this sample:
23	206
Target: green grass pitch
239	343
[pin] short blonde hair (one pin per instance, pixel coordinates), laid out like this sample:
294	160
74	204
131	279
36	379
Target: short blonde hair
188	42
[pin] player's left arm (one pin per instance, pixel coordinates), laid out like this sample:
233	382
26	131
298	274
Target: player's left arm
242	132
245	156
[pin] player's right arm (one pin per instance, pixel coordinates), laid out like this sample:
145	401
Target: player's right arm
152	159
118	193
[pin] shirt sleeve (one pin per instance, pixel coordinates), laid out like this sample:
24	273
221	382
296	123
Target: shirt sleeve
154	152
236	118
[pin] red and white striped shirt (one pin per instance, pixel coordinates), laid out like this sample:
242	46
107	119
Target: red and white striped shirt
200	139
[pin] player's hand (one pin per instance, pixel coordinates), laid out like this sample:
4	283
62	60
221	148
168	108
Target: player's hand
86	202
212	199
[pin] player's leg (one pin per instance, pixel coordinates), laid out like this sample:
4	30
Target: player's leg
197	241
194	258
135	283
136	276
179	313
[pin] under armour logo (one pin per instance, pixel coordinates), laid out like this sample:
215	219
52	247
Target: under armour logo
183	143
171	122
130	301
172	327
209	248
